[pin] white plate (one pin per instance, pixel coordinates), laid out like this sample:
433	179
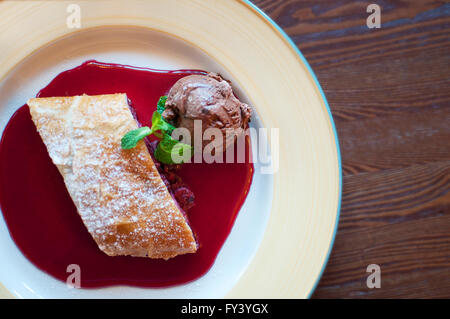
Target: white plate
142	48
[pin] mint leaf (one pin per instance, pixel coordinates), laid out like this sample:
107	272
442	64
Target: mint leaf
161	106
171	151
160	124
131	139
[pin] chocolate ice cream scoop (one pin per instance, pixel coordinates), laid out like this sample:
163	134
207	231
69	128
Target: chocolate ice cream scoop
208	98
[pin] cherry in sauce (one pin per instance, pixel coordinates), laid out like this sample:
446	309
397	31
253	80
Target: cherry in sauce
44	223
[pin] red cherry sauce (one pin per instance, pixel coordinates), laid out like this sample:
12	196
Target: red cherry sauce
44	223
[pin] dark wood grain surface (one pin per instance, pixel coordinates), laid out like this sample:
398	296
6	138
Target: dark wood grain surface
389	92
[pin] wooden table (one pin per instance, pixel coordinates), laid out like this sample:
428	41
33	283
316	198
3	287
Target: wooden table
389	92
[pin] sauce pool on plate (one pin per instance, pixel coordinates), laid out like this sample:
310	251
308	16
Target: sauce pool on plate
43	221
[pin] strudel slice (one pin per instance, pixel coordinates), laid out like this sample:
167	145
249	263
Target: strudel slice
119	194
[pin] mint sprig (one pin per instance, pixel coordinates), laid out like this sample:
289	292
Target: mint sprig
169	150
161	106
160	124
131	139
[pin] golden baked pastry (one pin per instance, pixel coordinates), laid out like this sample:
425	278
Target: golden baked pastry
119	193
